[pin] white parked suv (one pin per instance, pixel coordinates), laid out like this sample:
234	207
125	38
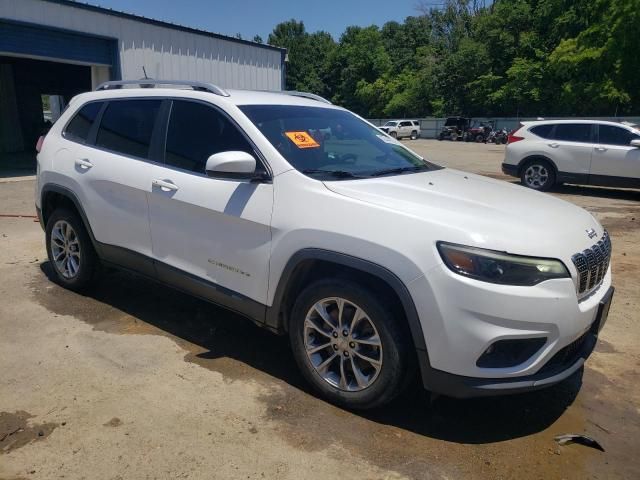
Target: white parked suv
311	222
402	129
589	152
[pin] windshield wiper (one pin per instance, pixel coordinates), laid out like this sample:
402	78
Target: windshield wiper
333	173
391	171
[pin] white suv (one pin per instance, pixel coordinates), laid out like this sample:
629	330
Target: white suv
402	129
309	221
544	153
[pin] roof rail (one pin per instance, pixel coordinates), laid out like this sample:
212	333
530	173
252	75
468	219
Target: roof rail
312	96
149	83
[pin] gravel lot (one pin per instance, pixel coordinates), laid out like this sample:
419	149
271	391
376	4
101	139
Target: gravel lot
136	380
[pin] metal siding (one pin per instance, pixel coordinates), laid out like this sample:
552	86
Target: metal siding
165	52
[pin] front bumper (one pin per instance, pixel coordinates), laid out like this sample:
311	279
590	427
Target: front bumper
461	318
509	169
561	366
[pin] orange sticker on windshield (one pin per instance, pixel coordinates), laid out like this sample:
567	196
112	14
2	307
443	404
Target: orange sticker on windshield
302	139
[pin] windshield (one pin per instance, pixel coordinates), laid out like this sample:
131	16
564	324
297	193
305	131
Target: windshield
332	143
390	124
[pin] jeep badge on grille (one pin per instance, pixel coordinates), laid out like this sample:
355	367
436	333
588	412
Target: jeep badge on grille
591	232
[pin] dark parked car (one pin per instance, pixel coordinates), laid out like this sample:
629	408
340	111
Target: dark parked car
454	128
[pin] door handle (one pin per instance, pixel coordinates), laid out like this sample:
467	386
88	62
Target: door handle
165	185
554	145
601	149
84	164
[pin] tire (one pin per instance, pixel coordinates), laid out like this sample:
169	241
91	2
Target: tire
331	371
68	242
414	135
538	174
479	139
394	135
454	136
441	137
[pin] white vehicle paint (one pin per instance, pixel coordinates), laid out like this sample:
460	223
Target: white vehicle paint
574	151
480	271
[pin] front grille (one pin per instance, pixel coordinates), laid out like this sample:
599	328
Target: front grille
592	264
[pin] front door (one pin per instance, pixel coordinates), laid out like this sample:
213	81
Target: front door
614	160
214	229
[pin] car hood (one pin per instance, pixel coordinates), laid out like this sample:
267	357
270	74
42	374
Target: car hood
460	207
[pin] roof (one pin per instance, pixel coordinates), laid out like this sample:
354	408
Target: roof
160	23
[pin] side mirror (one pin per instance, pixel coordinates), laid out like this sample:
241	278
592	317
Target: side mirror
635	143
232	164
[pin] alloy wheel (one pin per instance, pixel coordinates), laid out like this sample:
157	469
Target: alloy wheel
536	176
342	344
65	249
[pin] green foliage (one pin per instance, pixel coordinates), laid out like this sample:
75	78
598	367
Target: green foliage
471	57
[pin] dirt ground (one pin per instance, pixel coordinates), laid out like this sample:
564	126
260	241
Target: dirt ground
138	381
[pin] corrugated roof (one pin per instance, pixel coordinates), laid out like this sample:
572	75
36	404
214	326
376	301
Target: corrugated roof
160	23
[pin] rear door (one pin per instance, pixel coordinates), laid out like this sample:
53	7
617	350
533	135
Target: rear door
570	147
214	229
405	129
614	160
112	171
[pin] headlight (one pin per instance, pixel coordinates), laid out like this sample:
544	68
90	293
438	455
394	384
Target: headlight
499	267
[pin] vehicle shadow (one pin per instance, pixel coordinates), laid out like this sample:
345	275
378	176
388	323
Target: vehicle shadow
601	192
225	335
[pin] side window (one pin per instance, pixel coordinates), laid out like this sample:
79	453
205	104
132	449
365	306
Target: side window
197	131
610	135
78	128
405	124
573	132
127	125
542	131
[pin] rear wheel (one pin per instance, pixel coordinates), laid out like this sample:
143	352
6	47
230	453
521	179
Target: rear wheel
70	250
538	174
349	344
414	135
454	136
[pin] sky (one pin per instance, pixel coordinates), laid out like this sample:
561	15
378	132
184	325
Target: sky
251	17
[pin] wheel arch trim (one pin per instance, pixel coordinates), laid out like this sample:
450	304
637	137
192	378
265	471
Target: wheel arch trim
65	192
529	158
273	318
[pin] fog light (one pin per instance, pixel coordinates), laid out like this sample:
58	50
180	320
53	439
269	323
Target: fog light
509	353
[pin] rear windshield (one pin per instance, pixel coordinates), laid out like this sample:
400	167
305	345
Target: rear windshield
333	143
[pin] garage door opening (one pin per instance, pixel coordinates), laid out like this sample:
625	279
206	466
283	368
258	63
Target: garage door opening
33	94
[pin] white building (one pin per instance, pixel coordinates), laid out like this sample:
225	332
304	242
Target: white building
60	48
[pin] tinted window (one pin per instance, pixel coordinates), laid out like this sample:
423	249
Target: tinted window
610	135
78	128
573	132
405	124
543	131
127	125
197	131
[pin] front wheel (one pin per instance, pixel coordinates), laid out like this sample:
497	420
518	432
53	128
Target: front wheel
70	250
349	343
394	134
538	175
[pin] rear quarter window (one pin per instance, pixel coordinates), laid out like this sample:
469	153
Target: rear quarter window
542	131
80	125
